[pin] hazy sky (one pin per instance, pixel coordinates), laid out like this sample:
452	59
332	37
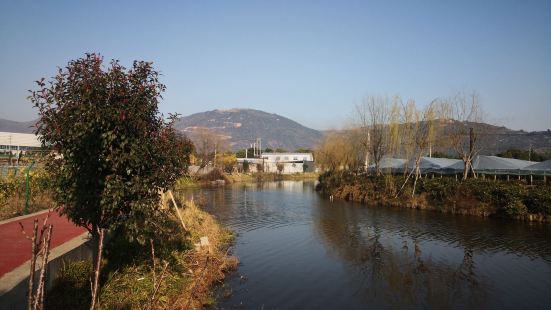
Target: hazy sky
311	61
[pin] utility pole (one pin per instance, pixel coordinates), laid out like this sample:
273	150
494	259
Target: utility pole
215	147
260	147
367	151
471	140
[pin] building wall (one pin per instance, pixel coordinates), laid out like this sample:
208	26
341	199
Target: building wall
18	141
287	157
289	162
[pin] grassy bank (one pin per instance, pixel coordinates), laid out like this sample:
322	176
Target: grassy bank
179	275
210	179
514	199
270	176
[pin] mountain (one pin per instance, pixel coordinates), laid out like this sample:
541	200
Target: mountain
19	127
493	139
497	139
243	126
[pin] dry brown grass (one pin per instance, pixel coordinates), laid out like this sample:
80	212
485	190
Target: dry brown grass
15	205
207	264
190	275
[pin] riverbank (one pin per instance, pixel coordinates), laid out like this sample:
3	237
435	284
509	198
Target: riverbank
270	176
176	269
216	178
487	198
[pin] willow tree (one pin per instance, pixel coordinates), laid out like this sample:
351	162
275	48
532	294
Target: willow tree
372	117
464	132
394	127
425	128
208	144
338	151
418	132
409	118
112	152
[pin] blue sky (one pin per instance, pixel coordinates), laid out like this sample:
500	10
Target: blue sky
311	61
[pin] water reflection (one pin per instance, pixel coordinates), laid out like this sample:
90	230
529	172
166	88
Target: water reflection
300	251
393	270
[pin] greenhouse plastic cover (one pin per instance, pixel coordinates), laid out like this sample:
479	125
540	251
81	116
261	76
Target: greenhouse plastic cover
391	163
481	164
539	168
494	164
433	164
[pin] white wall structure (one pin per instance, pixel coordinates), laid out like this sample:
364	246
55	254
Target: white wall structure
14	142
285	163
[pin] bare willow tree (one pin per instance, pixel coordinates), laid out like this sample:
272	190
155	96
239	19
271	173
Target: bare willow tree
372	117
418	132
208	143
425	128
355	148
409	118
464	130
338	151
394	127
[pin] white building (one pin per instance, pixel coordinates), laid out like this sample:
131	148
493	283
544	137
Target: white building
15	142
286	163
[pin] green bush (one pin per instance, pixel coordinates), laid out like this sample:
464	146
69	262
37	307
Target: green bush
514	208
538	200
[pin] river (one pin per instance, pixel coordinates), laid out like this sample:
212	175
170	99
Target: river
298	250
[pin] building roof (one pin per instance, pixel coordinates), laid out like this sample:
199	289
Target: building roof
287	154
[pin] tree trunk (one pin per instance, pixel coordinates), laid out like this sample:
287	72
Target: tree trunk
466	168
33	265
97	269
39	297
417	172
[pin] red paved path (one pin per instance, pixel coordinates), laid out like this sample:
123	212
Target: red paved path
15	249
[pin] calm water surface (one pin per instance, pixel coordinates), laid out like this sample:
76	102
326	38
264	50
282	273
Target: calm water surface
298	250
